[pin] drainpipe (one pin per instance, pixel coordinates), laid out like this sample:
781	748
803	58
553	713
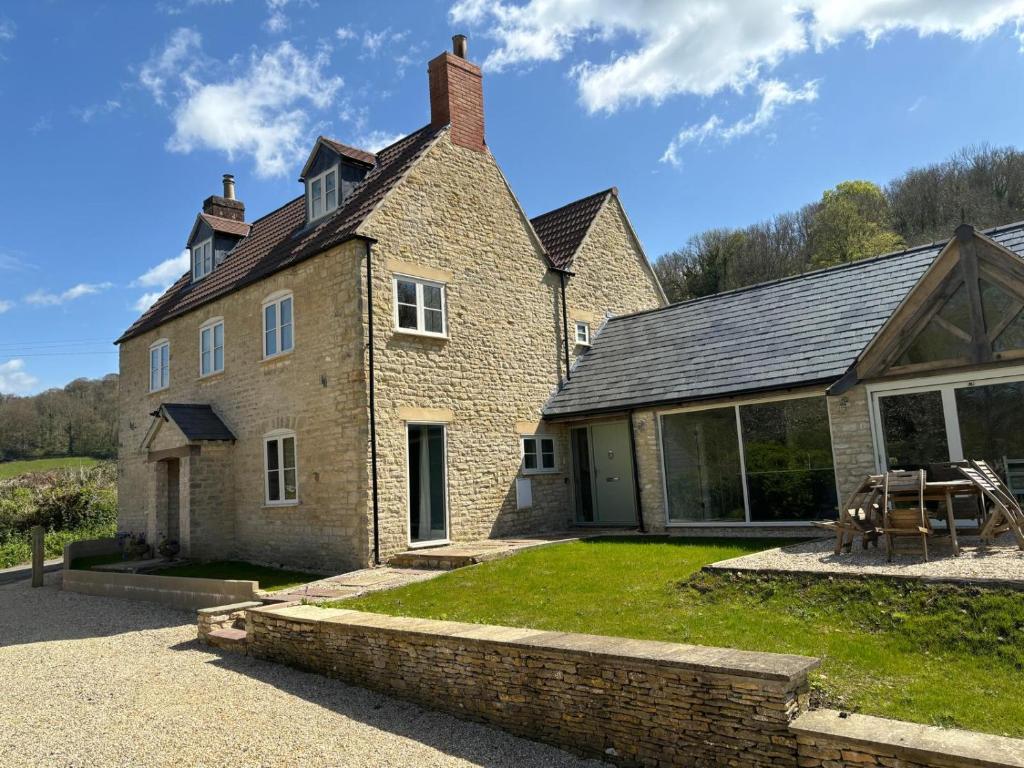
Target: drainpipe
373	404
565	324
636	475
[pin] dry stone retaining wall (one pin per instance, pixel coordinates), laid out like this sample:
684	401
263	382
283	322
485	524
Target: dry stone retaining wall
636	703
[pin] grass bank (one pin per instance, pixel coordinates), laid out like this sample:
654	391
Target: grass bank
938	655
9	469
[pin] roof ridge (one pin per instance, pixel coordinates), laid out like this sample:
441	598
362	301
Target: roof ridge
608	191
814	272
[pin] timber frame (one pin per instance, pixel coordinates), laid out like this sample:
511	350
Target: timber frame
966	259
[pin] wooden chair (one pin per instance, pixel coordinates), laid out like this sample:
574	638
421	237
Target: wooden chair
857	517
900	488
1006	513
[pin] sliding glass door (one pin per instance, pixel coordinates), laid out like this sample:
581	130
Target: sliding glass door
761	462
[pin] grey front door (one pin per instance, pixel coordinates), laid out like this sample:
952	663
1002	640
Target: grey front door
610	475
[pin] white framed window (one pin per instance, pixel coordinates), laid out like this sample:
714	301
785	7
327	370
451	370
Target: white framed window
280	468
159	365
420	306
202	259
582	333
323	194
538	454
211	347
278	324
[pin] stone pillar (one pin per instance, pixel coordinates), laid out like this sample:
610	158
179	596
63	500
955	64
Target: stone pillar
852	446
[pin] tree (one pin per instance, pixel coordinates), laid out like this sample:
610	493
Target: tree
851	222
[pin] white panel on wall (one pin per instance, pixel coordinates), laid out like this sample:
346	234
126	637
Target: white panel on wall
524	492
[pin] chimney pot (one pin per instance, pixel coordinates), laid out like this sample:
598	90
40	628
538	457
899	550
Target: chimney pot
229	186
459	45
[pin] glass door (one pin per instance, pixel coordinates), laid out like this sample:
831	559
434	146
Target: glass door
428	493
913	429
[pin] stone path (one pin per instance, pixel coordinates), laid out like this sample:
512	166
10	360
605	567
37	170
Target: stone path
99	682
355	583
457	555
999	564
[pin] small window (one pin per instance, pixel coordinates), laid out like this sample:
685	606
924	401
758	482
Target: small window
323	194
420	306
211	347
202	259
538	454
583	333
278	326
281	468
160	365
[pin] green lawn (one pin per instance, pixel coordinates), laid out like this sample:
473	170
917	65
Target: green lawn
10	469
938	655
270	579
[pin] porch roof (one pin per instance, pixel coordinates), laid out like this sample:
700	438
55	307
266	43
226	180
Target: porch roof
196	422
793	332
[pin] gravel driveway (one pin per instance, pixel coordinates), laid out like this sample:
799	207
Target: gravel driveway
90	681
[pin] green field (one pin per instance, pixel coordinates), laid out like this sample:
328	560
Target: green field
940	655
9	469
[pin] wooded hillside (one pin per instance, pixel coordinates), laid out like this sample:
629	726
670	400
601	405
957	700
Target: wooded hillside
855	220
78	420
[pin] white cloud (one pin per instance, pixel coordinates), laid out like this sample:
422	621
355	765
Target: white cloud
257	112
176	61
14	380
162	276
11	263
6	306
774	94
88	114
344	34
374	141
43	299
661	48
373	42
7	28
166	272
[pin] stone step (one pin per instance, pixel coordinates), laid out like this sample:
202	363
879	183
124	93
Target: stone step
228	639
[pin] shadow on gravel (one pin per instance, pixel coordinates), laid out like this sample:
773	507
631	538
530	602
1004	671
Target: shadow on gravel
49	614
441	731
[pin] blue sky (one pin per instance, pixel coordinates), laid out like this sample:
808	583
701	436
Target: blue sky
120	117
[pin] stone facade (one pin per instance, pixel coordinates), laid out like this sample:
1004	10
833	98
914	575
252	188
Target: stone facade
318	390
452	219
828	739
631	702
852	447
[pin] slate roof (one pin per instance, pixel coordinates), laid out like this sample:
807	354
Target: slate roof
562	230
227	226
196	422
791	332
281	239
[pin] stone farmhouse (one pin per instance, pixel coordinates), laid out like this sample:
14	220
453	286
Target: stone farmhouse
364	369
400	357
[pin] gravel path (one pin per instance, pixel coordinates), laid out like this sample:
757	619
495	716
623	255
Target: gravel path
1001	562
90	681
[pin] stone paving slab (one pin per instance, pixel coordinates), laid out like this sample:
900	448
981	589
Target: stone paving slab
355	583
1000	564
461	554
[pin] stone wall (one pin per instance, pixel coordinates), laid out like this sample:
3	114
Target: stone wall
628	701
828	739
852	447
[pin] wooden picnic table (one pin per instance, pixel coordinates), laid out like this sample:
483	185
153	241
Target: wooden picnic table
943	491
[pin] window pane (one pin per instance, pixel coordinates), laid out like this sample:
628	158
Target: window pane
218	358
274	486
270	319
788	453
1012	337
331	193
427	502
702	466
406	316
914	430
316	199
290	487
996	304
547	453
286	337
165	365
936	342
286	311
218	335
432	297
206	362
434	321
406	292
582	333
207	258
992	422
288	444
204	340
154	368
272	454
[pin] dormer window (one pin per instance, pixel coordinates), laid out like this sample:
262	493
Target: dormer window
323	194
202	259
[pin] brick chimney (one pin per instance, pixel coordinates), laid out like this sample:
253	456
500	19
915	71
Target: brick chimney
457	96
226	206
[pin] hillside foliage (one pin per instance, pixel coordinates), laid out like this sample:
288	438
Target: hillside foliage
983	186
